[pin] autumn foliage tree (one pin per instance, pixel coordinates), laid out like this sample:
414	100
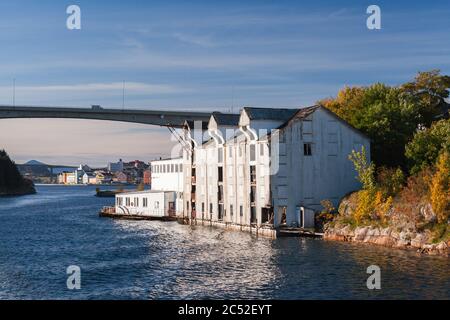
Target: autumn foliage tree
440	188
390	116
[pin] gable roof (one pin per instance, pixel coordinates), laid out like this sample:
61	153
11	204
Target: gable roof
305	112
226	119
280	114
300	114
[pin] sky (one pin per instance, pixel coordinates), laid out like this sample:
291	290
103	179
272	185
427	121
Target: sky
196	55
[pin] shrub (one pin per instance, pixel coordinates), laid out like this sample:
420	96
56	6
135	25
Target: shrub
439	188
390	180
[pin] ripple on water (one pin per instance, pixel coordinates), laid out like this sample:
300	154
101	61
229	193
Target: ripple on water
42	234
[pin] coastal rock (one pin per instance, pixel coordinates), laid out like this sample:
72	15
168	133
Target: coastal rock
387	237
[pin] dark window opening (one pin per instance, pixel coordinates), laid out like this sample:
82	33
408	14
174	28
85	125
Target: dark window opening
220	213
220	174
307	149
220	193
266	215
253	215
252	194
252	174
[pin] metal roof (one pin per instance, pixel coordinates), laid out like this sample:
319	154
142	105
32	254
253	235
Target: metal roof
226	119
270	113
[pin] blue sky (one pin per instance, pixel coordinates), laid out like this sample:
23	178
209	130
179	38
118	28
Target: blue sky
201	55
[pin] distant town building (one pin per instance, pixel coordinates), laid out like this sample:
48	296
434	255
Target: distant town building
67	178
120	177
147	177
103	177
89	178
85	168
115	166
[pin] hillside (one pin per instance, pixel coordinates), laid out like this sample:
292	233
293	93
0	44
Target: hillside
11	181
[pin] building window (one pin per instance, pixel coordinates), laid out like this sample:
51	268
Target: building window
231	210
187	205
145	202
127	201
252	152
172	168
220	174
220	155
156	204
210	208
241	210
136	202
307	149
203	207
181	167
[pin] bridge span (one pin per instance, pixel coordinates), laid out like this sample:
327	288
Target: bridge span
174	119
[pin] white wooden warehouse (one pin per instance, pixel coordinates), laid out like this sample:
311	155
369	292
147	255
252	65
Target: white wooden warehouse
269	167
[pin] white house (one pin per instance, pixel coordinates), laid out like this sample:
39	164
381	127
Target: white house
167	174
149	203
270	167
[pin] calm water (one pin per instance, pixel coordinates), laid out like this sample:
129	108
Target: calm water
40	235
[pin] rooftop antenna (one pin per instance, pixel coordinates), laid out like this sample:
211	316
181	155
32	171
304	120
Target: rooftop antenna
123	95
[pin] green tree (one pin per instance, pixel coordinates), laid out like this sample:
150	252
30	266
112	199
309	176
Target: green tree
427	144
429	90
385	114
11	181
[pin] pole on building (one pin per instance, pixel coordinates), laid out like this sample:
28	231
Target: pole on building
14	92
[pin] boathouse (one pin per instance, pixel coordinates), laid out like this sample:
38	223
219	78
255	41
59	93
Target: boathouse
267	168
149	203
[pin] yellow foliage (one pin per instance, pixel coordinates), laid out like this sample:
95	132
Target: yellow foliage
365	207
382	205
439	188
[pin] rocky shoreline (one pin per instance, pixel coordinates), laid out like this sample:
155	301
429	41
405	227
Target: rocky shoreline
387	237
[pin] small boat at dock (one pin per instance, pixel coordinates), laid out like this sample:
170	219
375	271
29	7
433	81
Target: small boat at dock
107	193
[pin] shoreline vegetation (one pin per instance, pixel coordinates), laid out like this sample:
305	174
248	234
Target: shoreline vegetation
12	183
405	197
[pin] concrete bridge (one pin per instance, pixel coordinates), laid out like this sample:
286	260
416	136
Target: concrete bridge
173	119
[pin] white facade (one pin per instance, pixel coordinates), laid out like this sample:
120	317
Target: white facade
278	167
167	175
148	203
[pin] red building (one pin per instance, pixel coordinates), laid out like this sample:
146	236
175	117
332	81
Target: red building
147	177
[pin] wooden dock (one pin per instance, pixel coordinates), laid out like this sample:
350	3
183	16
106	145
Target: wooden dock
298	232
107	212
